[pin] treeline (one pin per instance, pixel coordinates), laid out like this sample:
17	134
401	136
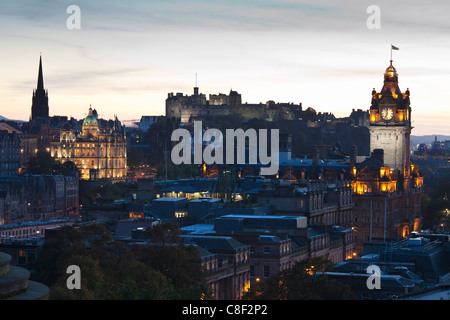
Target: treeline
161	269
436	203
304	281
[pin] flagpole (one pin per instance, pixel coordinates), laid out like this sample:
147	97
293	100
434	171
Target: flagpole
393	48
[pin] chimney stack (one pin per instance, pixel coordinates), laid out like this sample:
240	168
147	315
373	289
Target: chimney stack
353	155
379	155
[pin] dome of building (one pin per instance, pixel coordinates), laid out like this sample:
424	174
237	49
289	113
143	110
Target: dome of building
391	75
91	118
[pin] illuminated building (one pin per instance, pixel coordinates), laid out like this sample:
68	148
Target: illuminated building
386	186
99	150
96	146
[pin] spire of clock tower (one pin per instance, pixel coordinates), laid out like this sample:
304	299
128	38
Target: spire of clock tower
391	81
390	93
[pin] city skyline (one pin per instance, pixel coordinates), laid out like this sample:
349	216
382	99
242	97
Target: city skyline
127	57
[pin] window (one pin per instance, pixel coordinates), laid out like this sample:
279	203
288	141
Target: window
180	214
266	273
266	250
252	271
21	257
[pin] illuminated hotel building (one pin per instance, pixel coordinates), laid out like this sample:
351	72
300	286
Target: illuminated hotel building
386	186
99	150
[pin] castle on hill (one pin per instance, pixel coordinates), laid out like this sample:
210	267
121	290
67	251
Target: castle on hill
186	108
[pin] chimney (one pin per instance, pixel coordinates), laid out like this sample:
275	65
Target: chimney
379	155
353	155
316	156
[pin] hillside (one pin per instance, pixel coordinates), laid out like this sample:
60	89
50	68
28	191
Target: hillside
415	140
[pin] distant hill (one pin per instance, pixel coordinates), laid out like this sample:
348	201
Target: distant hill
2	118
415	140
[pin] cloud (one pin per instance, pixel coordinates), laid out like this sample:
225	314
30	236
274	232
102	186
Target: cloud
284	49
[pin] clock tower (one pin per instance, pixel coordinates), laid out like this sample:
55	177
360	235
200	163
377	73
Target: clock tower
387	188
390	123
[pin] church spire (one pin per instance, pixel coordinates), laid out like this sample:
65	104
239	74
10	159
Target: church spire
39	108
40	84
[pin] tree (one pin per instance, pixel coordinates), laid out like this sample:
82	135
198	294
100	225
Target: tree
302	282
435	204
181	171
111	270
163	234
41	163
44	163
167	254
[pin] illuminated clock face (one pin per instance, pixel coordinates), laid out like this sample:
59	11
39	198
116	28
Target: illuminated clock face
387	113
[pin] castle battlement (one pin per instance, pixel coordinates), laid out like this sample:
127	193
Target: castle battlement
184	108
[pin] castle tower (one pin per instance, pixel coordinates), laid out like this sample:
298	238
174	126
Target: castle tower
39	108
235	101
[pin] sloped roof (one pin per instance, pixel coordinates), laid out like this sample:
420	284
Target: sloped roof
214	243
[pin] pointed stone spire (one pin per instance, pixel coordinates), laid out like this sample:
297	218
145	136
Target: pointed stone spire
40	84
39	108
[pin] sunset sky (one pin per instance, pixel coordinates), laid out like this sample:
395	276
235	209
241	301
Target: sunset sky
128	56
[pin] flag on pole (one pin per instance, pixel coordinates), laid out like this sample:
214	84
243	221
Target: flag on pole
394	47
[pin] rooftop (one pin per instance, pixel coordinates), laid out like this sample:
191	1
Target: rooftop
197	229
170	199
214	243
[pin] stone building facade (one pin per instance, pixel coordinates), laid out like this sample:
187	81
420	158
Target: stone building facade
384	208
322	202
96	146
9	153
387	188
38	197
226	263
328	209
99	150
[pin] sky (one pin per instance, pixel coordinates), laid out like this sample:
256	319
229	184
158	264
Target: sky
127	56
